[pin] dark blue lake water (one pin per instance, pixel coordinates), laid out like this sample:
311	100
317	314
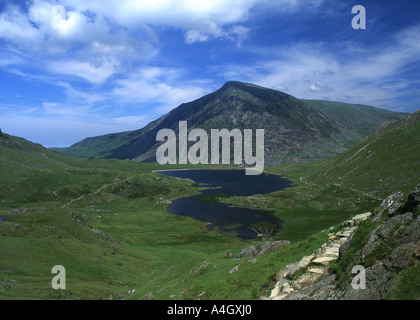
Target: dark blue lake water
228	183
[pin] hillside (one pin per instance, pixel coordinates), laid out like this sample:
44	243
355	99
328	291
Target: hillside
385	168
100	219
353	182
360	118
295	130
33	173
385	162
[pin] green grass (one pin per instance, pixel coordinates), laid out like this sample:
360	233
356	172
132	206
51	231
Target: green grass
118	235
380	165
408	287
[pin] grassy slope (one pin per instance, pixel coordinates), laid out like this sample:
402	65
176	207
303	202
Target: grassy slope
97	147
141	246
365	119
382	164
133	239
113	240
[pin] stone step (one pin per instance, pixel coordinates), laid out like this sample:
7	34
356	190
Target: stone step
305	261
316	270
323	260
332	252
362	216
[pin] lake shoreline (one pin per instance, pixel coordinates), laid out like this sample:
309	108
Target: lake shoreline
231	182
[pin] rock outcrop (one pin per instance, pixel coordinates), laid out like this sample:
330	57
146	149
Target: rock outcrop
393	204
261	248
413	201
392	246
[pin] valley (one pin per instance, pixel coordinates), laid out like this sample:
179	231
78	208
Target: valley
107	220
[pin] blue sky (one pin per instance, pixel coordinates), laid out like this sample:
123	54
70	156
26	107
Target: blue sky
112	66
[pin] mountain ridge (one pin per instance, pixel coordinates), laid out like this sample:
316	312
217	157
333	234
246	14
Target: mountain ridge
295	130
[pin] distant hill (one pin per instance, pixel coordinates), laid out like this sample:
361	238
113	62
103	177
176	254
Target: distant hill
32	173
295	130
361	118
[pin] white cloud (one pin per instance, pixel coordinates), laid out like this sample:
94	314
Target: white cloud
95	71
201	16
17	29
153	85
319	87
309	70
192	36
86	21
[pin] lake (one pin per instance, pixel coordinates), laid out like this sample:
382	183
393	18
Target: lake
226	183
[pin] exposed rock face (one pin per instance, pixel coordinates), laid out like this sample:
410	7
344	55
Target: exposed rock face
393	203
262	248
392	247
413	201
384	274
199	268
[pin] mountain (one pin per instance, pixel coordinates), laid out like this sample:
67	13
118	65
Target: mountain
295	130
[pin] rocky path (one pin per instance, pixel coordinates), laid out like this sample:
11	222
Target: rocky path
296	276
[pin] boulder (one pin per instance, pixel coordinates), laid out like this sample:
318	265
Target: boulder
196	270
234	269
393	204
